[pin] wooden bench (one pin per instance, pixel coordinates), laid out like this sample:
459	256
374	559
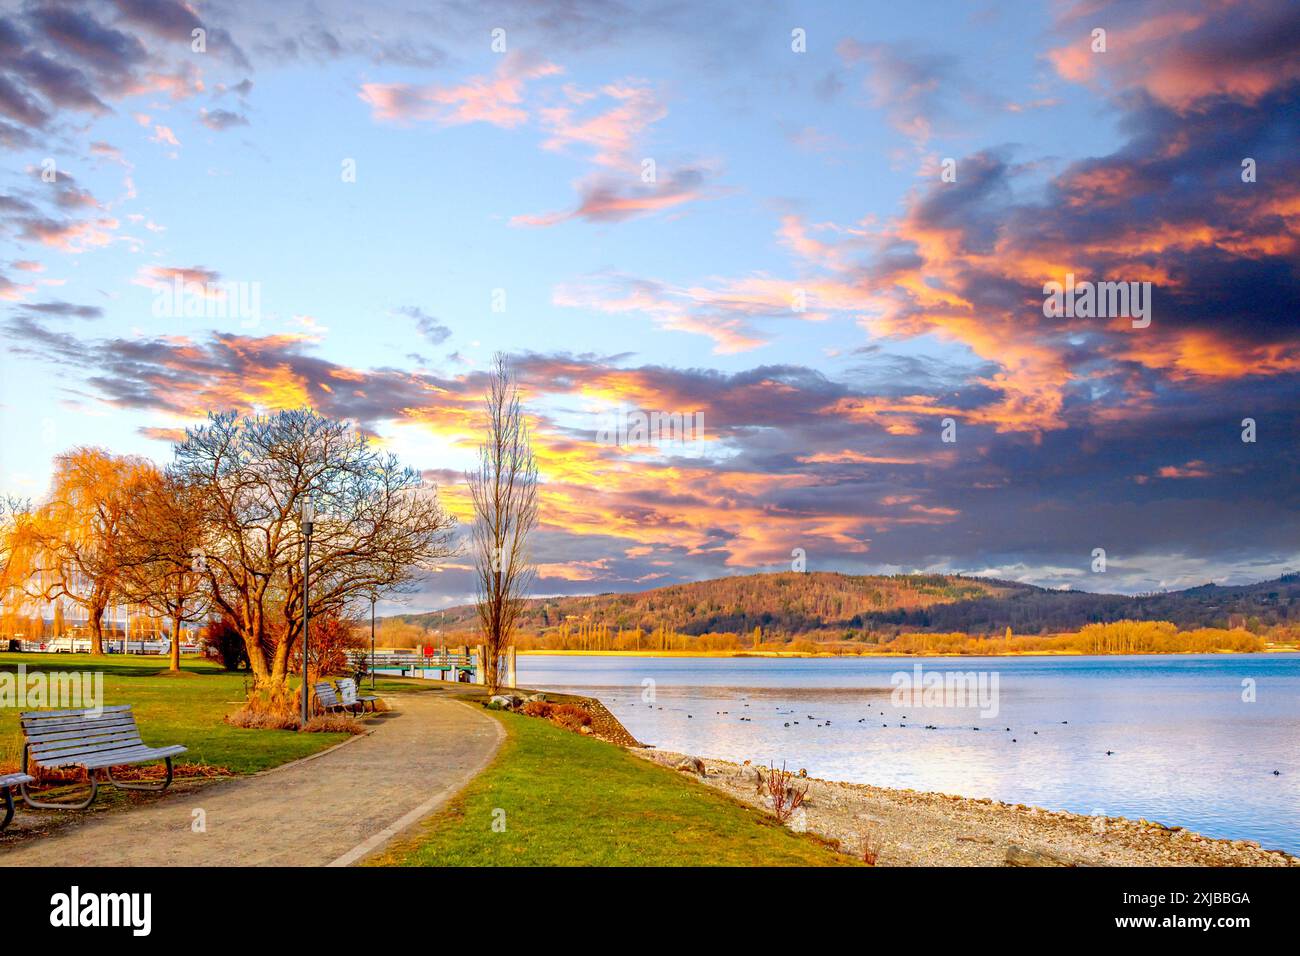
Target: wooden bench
348	691
91	740
7	782
328	698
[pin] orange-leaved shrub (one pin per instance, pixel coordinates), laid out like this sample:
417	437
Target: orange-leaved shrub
571	717
537	708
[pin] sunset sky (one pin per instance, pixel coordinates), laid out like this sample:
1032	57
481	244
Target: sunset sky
516	177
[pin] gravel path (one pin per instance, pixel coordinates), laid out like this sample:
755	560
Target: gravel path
912	828
332	808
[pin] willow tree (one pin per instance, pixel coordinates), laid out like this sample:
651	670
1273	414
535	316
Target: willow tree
71	549
15	519
504	492
377	525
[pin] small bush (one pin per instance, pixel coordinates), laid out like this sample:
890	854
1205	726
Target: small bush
571	717
871	845
220	641
785	798
252	717
537	708
334	724
268	709
568	716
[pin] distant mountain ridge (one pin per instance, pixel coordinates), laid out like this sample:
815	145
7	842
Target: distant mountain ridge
830	605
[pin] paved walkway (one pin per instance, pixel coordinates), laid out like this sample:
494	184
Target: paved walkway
331	809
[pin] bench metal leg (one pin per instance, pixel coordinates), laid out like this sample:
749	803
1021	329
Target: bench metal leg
52	804
9	807
61	804
152	787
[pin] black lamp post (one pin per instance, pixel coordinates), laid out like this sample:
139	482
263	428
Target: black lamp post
373	598
307	515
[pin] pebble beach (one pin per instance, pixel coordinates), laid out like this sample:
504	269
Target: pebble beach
913	828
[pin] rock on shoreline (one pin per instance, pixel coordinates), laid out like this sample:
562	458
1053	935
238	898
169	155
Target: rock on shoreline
914	828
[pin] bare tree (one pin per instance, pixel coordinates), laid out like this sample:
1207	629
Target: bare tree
377	525
162	566
504	492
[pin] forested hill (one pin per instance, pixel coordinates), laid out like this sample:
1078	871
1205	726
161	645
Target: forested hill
829	605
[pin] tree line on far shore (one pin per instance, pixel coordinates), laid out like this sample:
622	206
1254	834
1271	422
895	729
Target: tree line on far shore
820	607
1116	637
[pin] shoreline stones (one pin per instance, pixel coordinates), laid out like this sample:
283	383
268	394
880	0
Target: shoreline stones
919	828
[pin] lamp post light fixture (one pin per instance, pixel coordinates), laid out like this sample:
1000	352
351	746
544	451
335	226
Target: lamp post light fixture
308	514
373	597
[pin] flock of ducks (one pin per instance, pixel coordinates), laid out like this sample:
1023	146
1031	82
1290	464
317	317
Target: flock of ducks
827	723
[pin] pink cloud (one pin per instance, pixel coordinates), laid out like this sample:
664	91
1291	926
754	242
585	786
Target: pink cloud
70	236
494	99
164	134
669	308
610	199
613	133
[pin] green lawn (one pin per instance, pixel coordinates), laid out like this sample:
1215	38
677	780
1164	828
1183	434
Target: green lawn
570	800
171	709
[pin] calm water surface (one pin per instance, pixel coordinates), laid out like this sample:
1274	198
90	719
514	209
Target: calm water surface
1187	749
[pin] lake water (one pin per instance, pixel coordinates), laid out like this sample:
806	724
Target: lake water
1186	747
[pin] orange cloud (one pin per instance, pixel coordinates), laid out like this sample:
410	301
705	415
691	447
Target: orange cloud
1182	57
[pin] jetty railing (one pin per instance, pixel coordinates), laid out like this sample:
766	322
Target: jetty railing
408	664
461	666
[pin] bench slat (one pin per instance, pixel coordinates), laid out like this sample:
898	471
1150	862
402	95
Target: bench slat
74	721
86	733
114	754
118	733
83	745
47	754
115	727
62	714
115	758
14	779
86	740
77	725
146	755
114	721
